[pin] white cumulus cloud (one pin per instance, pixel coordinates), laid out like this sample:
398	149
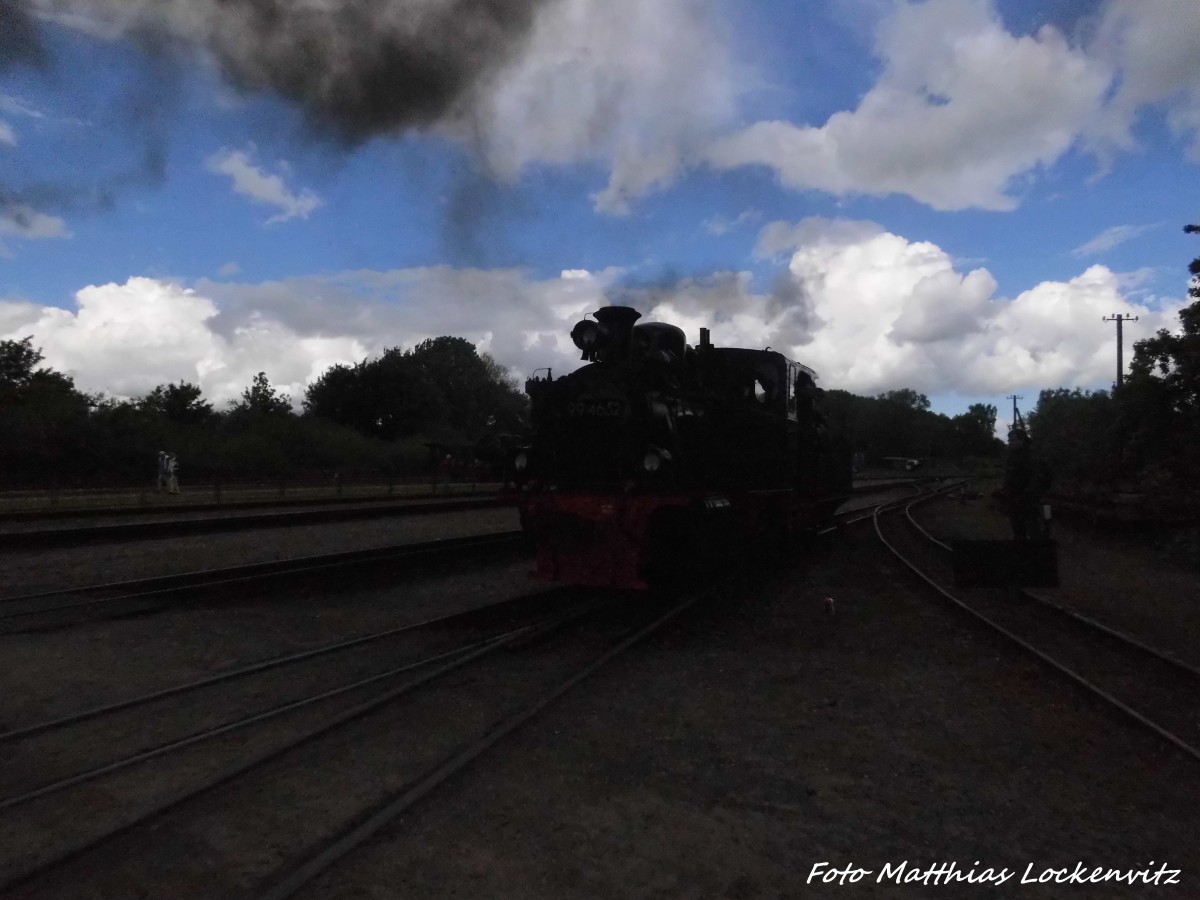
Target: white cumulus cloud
869	309
964	113
124	339
960	111
900	314
639	87
874	311
1155	45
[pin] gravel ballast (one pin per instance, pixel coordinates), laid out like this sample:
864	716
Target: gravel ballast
758	738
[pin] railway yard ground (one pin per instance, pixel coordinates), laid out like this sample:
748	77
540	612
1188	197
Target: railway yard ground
76	520
761	737
56	568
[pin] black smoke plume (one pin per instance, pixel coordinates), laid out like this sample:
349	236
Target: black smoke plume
20	43
355	68
792	307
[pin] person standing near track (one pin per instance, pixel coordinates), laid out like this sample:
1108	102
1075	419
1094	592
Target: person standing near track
163	473
172	474
1026	479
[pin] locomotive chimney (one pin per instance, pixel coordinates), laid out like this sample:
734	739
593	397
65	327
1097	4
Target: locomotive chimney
618	321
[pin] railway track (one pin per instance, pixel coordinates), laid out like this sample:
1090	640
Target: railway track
49	610
117	795
862	509
88	807
63	608
315	857
204	522
1149	687
16	535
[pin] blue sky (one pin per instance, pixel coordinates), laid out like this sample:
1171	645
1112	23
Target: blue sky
945	195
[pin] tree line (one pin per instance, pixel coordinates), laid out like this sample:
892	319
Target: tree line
382	415
901	424
1143	435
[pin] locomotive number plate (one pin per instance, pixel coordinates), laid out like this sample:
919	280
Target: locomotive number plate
600	408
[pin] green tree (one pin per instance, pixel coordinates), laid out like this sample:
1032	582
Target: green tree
18	362
984	414
461	377
896	423
509	406
1076	434
21	379
1174	359
907	398
441	388
974	432
1159	404
389	397
181	403
260	399
43	418
335	396
399	398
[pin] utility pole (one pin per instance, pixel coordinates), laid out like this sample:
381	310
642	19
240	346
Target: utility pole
1016	413
1120	320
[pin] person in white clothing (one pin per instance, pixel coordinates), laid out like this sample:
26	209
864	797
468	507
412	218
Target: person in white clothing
172	474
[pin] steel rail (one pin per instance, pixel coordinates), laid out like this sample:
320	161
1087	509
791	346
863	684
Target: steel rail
890	505
1068	672
227	727
77	849
209	578
1114	633
410	796
915	524
250	571
848	517
253	668
352	838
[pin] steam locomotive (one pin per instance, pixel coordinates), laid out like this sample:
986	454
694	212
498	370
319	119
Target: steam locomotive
658	460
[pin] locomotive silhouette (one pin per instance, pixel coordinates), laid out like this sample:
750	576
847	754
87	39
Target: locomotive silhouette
658	461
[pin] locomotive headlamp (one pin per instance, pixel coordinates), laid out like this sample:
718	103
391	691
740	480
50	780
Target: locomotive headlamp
589	337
